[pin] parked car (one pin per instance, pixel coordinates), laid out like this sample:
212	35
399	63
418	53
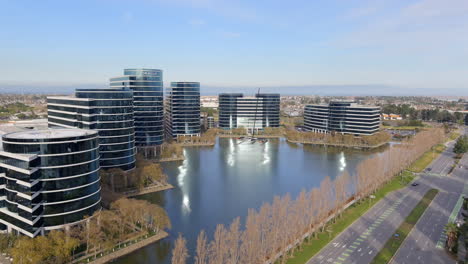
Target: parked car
414	184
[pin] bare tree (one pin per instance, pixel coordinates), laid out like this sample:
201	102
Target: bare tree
202	249
218	247
233	241
275	229
180	252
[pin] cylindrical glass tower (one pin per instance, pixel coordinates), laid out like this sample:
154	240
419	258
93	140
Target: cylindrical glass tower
50	178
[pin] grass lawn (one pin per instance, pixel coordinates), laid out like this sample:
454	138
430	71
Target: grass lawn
453	136
392	245
426	159
310	248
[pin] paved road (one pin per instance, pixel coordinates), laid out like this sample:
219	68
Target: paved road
425	243
361	242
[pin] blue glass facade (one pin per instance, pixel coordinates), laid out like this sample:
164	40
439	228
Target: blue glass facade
258	112
343	117
110	112
50	179
147	87
183	109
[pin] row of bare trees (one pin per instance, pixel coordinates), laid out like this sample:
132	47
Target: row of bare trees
240	131
276	230
125	219
337	138
379	169
209	137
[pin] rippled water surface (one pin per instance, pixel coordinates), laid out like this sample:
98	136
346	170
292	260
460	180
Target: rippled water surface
216	184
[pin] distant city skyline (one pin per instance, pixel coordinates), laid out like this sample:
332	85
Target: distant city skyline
206	90
415	47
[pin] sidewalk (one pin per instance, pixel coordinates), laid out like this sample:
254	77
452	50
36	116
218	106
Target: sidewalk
149	189
122	251
4	260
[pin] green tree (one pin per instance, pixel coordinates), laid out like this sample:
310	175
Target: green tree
31	250
451	230
62	246
7	241
462	145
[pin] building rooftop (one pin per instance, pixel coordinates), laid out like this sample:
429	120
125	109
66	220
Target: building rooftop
49	133
352	104
22	125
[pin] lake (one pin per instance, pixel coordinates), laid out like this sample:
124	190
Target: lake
213	185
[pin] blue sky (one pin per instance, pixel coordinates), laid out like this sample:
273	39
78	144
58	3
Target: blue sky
404	44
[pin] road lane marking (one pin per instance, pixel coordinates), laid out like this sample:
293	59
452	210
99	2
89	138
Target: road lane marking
372	228
440	244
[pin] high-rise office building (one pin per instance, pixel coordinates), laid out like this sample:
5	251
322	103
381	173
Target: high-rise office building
344	117
108	111
253	113
148	104
48	179
210	122
183	109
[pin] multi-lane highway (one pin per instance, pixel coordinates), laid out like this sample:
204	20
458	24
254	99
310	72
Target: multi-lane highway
425	243
360	242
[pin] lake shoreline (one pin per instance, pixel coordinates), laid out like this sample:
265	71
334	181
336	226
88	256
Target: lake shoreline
214	185
337	144
124	251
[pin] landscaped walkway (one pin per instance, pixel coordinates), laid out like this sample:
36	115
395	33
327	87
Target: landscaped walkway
126	248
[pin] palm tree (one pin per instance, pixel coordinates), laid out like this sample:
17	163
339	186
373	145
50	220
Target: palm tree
451	230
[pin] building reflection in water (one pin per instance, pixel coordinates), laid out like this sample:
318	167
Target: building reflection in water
216	184
266	154
181	181
243	158
342	161
230	158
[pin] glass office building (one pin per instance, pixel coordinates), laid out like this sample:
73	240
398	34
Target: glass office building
344	117
148	104
48	179
183	109
253	113
108	111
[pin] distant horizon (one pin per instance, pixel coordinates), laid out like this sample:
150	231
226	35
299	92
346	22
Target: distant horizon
321	90
400	47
